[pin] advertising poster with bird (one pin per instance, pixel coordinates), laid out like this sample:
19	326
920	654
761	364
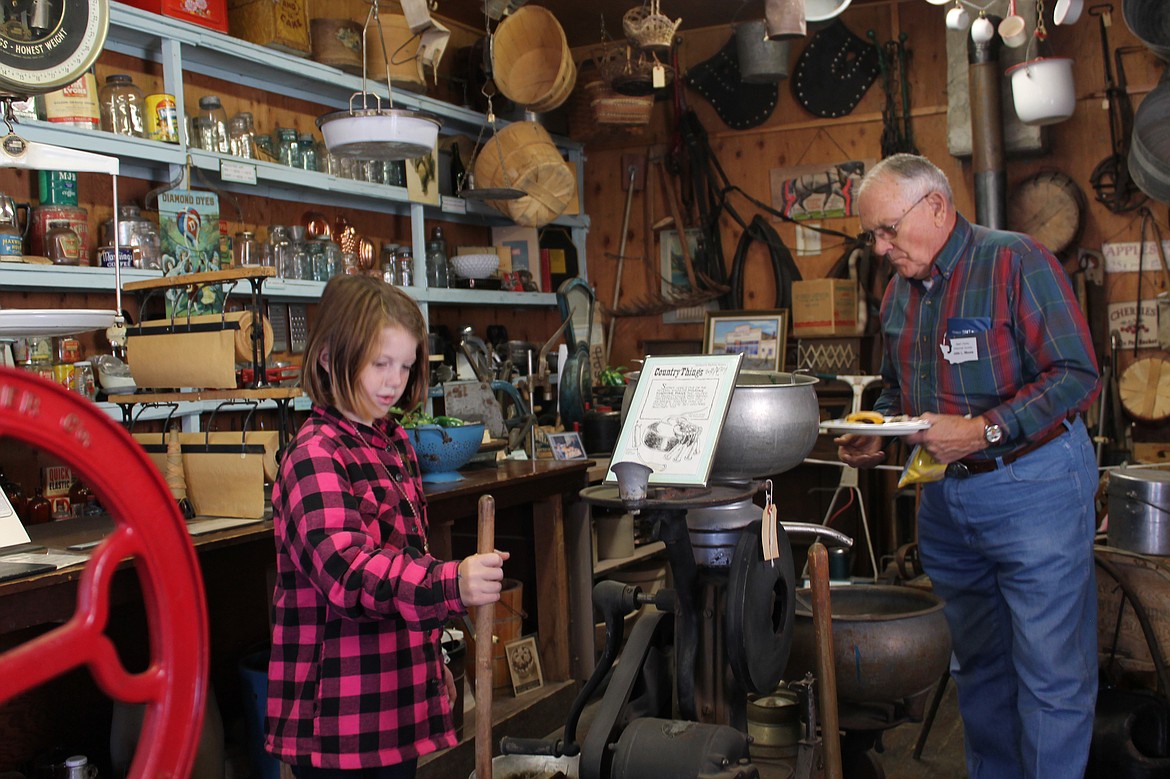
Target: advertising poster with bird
189	222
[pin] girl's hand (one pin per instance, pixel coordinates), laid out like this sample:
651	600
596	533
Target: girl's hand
449	681
481	577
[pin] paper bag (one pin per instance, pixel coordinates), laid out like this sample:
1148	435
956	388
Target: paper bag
197	352
225	470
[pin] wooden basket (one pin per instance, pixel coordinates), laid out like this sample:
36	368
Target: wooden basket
406	70
338	43
532	163
531	59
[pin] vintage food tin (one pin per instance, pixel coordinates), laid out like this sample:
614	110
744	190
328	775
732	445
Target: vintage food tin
162	118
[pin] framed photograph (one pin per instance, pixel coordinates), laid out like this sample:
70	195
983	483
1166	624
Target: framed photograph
760	336
422	179
675	418
524	665
566	446
674	275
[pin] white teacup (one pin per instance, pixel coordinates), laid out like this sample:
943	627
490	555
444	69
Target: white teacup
982	30
958	18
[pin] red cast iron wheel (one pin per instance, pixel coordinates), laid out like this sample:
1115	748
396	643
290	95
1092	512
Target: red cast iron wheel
149	529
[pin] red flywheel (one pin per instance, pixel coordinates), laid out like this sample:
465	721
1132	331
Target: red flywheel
148	529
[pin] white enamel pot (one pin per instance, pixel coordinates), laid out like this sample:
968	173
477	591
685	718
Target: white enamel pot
1043	90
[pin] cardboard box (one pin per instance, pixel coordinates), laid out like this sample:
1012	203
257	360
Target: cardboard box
824	307
213	14
278	24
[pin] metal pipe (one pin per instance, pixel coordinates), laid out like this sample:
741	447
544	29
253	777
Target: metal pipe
987	143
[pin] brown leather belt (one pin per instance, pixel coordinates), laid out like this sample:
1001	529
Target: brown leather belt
964	468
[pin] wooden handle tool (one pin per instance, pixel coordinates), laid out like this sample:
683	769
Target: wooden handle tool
818	573
484	623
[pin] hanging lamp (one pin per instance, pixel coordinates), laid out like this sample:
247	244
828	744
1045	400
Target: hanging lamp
374	129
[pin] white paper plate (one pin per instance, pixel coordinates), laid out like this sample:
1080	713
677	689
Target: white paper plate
866	428
24	322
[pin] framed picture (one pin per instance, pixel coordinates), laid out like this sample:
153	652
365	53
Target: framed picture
675	281
675	418
422	179
566	446
524	665
760	336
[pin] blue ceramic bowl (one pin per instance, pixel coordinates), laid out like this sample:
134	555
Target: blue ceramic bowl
444	450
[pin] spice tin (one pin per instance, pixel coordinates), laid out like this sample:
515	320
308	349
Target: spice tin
162	118
125	256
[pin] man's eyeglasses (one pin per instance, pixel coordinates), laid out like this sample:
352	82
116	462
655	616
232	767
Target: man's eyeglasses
888	232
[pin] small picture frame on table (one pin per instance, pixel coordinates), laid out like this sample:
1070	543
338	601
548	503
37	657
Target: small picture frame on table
566	446
760	336
524	665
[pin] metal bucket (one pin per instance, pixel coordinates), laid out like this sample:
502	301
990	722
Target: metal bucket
761	61
1149	21
1139	511
1149	149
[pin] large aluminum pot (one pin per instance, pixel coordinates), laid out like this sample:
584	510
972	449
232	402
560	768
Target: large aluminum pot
889	643
1139	511
771	426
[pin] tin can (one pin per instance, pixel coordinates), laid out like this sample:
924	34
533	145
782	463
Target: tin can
63	374
162	118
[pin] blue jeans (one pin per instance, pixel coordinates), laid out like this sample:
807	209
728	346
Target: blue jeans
1011	552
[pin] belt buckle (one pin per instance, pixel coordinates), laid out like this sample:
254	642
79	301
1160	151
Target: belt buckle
958	470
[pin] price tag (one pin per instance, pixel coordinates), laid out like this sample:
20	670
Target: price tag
770	544
453	205
239	172
658	76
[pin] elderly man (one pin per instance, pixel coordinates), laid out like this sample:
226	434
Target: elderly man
983	337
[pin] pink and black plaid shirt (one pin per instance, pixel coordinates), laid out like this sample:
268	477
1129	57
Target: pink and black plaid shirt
355	677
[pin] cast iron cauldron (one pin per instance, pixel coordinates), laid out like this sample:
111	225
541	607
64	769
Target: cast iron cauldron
889	643
771	426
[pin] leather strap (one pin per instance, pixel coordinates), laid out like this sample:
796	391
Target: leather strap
784	268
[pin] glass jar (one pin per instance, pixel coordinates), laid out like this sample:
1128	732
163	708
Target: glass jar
202	133
308	149
242	135
279	249
437	268
83	381
395	174
388	261
405	267
62	244
216	128
122	106
288	147
326	162
300	266
245	250
80	497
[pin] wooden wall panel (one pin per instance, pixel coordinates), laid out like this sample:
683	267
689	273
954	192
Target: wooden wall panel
792	136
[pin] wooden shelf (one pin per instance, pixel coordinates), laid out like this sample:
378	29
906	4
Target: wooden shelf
641	553
196	279
263	393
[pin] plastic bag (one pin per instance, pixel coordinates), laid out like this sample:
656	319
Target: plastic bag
921	468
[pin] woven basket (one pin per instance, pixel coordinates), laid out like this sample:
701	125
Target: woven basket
609	107
337	43
650	29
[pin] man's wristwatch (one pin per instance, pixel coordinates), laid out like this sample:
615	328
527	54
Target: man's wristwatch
992	434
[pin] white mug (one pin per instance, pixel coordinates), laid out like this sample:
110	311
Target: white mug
982	30
958	18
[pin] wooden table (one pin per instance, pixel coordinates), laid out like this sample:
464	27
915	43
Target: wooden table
235	565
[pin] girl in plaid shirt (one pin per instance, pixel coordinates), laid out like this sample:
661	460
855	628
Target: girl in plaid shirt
357	686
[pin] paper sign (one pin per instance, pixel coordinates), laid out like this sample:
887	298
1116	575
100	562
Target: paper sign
12	532
1122	257
1123	318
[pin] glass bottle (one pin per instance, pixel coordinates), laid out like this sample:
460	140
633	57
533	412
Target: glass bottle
202	133
38	510
300	265
211	109
14	492
308	149
457	170
242	135
437	268
288	148
83	380
279	249
122	106
62	244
